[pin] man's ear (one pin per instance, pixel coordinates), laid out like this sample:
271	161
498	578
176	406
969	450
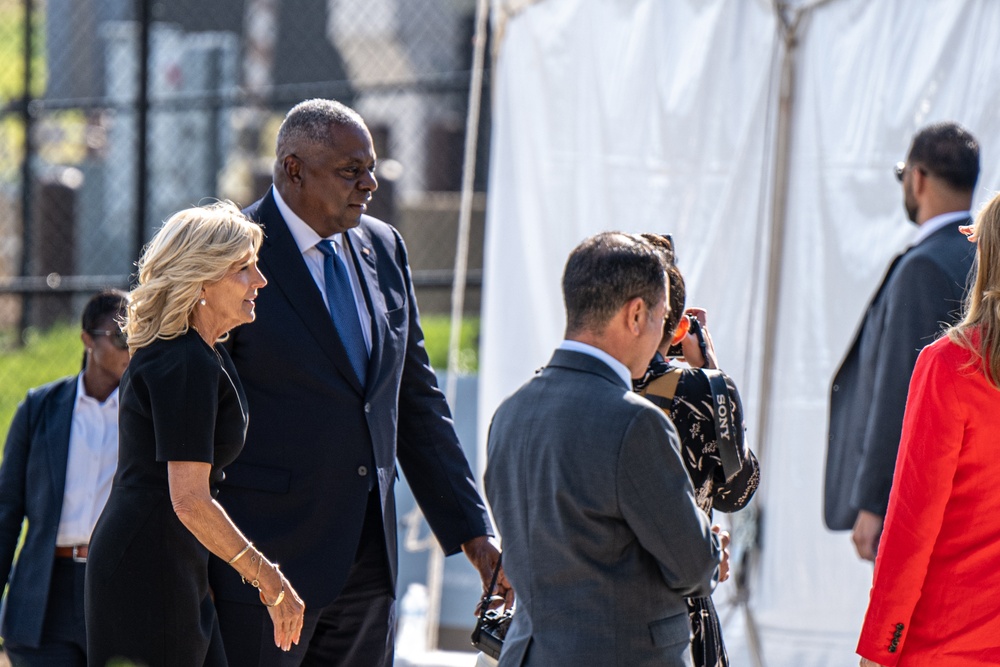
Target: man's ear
635	314
292	166
919	180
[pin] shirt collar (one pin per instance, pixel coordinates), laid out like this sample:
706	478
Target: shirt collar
82	395
938	222
618	367
304	235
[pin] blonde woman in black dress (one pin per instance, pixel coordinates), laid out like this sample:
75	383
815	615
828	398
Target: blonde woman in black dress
689	405
182	419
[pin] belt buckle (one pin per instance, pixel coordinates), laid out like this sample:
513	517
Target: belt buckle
77	558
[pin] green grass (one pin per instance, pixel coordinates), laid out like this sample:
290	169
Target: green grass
437	332
57	353
47	356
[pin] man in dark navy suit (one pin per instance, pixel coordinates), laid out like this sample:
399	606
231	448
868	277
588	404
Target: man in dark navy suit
920	295
339	388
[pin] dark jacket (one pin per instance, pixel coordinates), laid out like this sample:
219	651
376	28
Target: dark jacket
32	486
300	487
920	296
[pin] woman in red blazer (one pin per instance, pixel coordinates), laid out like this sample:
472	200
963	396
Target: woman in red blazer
936	595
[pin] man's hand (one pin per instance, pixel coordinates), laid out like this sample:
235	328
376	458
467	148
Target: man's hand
867	533
484	556
724	539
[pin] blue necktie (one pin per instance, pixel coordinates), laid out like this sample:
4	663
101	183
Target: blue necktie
343	309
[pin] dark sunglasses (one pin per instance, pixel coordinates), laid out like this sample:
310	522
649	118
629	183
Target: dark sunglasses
118	337
900	171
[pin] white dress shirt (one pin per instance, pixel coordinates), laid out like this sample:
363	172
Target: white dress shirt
90	467
306	239
618	367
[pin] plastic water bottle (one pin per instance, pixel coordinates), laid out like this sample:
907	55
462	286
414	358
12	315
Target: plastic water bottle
412	632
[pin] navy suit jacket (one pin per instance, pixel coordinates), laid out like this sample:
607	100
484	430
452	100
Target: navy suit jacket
920	296
300	487
32	486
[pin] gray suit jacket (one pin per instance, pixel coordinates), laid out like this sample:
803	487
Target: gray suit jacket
920	296
602	537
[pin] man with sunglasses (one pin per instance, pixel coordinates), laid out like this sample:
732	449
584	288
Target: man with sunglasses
921	294
60	457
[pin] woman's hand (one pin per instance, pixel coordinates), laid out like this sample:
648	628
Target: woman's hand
208	522
689	344
288	614
724	565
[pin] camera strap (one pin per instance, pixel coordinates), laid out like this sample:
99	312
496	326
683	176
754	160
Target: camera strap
662	390
725	423
486	600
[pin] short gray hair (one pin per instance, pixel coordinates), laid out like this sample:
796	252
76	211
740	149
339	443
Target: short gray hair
310	122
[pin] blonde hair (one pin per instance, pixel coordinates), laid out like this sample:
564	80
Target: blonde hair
982	305
194	247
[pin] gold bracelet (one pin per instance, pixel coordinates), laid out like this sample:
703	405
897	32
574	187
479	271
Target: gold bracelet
281	593
255	582
240	554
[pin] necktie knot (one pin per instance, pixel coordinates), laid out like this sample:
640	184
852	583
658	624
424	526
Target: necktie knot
327	247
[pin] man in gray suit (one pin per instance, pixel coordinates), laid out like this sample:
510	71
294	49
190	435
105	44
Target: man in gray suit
602	537
919	297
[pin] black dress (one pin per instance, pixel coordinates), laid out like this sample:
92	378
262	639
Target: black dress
690	410
147	595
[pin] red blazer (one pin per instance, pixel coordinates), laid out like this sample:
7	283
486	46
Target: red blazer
935	599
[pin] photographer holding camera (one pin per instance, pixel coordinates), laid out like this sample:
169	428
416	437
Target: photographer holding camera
704	405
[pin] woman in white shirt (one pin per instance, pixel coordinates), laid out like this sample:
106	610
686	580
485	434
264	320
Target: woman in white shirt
58	463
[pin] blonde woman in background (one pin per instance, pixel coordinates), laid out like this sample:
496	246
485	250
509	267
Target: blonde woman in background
183	417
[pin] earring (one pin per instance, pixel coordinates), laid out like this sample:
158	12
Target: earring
202	301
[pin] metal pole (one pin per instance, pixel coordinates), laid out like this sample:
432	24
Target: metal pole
27	242
142	127
789	21
435	563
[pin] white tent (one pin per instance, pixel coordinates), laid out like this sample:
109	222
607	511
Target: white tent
763	138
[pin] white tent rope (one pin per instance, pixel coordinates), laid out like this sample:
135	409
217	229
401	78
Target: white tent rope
435	562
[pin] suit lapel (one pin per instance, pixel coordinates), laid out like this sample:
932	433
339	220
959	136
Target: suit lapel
364	258
57	419
284	266
936	237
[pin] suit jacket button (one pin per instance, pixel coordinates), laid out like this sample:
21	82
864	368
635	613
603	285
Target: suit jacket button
836	387
899	627
362	471
368	408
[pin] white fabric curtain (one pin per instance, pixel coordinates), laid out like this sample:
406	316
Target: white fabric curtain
654	115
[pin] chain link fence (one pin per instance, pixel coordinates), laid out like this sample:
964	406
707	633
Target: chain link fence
116	113
96	149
